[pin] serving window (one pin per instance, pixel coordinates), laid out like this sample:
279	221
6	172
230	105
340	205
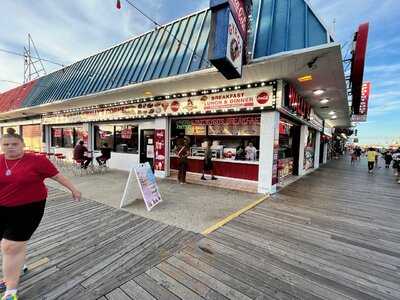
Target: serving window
231	138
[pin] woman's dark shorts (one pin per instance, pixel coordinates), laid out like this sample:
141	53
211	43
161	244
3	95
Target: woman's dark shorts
20	222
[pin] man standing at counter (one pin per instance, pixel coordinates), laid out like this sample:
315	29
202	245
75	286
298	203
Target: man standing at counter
208	164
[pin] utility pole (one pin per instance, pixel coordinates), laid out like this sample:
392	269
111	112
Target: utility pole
33	64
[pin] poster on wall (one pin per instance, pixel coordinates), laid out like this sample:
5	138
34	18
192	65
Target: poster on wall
57	133
126	133
309	148
275	158
159	159
145	183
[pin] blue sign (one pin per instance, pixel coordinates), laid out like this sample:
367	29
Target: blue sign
226	42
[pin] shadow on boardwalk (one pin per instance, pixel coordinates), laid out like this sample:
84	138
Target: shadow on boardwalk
334	234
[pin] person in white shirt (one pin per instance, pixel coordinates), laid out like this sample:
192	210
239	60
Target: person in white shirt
251	152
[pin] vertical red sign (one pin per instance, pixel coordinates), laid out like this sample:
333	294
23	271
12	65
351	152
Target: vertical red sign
159	158
365	91
239	13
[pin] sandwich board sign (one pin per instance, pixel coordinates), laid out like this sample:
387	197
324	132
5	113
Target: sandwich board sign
144	187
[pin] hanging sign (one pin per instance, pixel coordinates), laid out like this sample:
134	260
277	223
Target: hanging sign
238	10
234	47
228	36
316	121
357	66
363	111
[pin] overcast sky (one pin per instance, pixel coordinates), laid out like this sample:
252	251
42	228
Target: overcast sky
66	31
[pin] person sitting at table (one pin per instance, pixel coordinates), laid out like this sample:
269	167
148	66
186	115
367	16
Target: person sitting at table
79	155
105	154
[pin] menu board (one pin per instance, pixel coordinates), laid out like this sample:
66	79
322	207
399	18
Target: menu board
195	130
239	130
148	185
229	126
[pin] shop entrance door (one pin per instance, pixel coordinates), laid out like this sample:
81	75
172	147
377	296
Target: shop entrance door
147	147
296	149
321	152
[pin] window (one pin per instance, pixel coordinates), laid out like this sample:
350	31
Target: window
68	137
120	138
81	135
16	128
103	134
32	137
56	137
126	139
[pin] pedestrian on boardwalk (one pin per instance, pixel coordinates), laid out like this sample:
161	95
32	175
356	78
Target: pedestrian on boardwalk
183	153
371	155
377	158
388	159
396	164
353	154
22	202
208	164
358	153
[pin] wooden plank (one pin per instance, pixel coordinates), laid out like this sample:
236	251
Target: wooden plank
118	294
172	285
193	284
210	284
135	291
155	289
211	276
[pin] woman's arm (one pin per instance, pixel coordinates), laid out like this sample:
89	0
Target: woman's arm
61	179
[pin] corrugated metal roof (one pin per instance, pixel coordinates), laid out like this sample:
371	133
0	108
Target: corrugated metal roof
13	99
278	26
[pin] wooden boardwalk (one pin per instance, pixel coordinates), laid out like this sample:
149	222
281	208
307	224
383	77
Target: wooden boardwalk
334	234
85	250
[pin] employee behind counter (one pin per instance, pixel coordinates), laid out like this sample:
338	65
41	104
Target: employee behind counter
241	152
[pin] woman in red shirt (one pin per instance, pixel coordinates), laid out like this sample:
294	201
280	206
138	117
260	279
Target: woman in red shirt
22	202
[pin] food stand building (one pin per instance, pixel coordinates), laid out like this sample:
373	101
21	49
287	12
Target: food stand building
143	95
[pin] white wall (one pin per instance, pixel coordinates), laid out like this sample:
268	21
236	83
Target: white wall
122	161
268	131
325	159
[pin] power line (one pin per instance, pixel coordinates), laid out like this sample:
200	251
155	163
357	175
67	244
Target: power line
22	55
158	26
5	80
